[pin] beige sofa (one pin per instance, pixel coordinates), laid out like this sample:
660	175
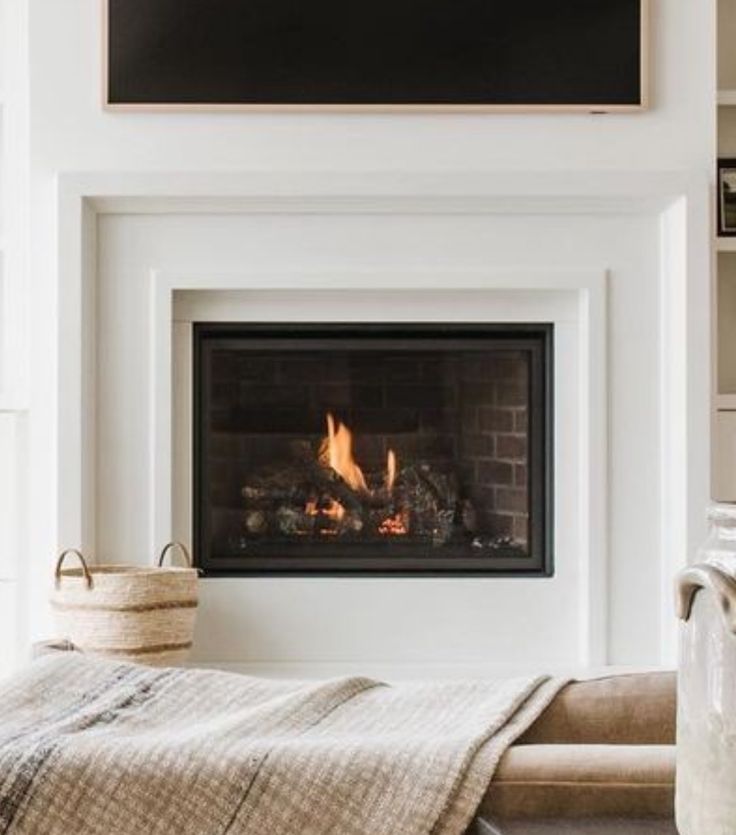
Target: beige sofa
604	749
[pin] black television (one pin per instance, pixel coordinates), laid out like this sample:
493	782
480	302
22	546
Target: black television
376	54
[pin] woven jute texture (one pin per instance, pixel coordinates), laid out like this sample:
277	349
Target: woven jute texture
94	746
131	613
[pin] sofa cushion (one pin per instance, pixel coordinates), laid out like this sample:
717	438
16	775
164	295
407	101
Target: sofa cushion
637	709
543	781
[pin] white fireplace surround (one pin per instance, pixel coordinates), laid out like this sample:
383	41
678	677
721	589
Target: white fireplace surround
574	302
667	213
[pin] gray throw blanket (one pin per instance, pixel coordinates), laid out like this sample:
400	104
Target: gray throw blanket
91	746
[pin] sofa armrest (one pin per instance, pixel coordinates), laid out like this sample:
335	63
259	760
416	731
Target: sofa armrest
636	709
583	781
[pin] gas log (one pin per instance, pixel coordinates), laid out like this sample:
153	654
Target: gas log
306	498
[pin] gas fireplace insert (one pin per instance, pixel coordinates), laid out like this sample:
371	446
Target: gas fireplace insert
372	449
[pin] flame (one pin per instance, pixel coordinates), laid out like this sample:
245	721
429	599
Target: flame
390	469
337	451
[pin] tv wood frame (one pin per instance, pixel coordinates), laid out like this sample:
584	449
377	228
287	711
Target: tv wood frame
593	108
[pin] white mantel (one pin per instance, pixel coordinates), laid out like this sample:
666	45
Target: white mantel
643	440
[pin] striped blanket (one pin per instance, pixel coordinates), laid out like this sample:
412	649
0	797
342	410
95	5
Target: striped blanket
91	746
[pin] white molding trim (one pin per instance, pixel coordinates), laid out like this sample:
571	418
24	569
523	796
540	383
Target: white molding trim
14	209
679	200
686	383
604	192
594	466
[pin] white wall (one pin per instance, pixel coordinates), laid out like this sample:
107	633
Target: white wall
69	131
14	155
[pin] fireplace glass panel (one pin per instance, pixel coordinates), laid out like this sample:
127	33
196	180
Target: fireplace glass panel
359	448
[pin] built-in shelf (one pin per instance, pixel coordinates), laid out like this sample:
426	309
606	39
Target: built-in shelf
725	323
727	98
724	355
725	402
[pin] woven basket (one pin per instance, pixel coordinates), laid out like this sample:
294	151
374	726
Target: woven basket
136	614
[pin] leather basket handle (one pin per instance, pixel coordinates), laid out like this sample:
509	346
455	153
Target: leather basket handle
181	547
85	571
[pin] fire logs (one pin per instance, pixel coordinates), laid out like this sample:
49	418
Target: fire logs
318	502
325	493
311	500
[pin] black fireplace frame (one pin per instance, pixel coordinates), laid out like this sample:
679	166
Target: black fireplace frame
538	338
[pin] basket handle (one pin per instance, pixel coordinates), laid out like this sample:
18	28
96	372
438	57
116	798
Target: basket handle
181	547
60	562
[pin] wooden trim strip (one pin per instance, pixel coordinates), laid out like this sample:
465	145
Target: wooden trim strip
147	650
645	68
143	607
162	107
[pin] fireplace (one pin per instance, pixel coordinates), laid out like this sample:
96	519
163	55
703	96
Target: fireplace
372	449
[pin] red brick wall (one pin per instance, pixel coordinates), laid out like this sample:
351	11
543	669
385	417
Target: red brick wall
494	443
